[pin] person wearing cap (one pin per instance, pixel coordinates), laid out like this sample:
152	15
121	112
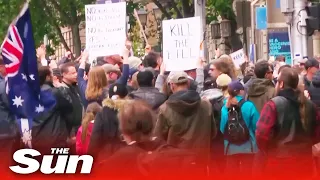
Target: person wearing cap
185	120
222	82
105	133
112	72
311	66
135	62
240	156
147	91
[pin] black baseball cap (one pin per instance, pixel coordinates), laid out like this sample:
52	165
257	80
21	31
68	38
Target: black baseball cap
118	89
311	62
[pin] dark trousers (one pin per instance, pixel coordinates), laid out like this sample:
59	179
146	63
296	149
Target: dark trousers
239	165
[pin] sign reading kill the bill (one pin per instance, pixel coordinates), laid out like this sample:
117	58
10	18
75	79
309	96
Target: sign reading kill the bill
181	43
105	28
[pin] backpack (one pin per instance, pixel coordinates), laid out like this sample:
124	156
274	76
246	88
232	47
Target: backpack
236	130
165	160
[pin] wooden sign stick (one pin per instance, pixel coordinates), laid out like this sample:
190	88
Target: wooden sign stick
141	28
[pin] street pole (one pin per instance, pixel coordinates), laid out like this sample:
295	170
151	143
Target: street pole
200	10
299	30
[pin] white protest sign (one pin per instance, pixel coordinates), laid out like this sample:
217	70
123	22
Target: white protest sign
181	43
105	28
238	58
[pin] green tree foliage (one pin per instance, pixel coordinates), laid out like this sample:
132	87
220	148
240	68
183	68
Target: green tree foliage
47	18
64	13
174	9
221	8
8	11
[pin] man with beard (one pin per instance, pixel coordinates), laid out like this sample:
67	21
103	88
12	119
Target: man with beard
260	89
287	129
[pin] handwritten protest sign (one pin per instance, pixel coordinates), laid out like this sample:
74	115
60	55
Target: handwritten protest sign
105	28
181	43
238	58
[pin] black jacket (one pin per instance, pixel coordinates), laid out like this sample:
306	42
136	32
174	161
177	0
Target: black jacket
151	95
314	94
74	117
50	128
130	157
105	137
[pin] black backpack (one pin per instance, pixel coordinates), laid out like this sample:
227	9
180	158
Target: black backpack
165	160
236	130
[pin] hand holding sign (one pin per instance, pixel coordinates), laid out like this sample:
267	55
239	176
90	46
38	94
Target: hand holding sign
238	58
181	43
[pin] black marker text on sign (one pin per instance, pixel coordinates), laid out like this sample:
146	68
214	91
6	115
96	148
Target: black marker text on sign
180	34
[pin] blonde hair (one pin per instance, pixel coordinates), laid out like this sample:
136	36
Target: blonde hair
224	66
91	113
97	81
232	71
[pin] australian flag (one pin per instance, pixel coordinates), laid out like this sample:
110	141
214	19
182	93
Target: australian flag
22	83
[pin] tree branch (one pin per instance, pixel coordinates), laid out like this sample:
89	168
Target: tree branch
59	9
73	13
162	9
49	14
175	7
186	8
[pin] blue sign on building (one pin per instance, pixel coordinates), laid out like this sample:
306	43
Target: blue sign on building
261	18
279	45
278	3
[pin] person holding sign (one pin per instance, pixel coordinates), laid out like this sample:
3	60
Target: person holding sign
111	73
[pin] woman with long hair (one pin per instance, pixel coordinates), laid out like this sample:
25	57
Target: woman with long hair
233	73
97	85
85	130
94	89
240	154
222	66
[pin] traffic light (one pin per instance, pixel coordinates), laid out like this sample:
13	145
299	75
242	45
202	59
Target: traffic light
313	19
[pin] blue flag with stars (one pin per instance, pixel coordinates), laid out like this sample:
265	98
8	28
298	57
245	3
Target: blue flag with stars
22	83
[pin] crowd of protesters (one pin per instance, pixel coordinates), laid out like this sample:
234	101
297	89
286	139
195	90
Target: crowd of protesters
140	121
